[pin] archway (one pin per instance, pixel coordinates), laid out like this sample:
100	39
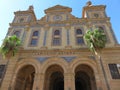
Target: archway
54	79
84	78
25	78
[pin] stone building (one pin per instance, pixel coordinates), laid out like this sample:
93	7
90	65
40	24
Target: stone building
54	56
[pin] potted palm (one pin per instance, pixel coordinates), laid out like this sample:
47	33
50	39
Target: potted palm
9	48
96	41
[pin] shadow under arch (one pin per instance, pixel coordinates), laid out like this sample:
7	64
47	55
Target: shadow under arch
23	77
54	78
84	74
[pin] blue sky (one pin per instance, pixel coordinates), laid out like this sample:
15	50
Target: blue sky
8	7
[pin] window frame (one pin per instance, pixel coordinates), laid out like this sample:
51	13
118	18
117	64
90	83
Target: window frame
79	35
114	76
34	37
14	33
56	37
35	33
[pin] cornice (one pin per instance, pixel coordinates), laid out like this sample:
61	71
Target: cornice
19	24
70	21
97	7
62	52
56	52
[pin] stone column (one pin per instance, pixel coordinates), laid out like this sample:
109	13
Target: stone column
69	81
13	82
36	81
41	82
101	81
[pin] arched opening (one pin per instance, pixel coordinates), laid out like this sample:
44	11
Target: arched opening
57	32
35	33
54	79
25	78
78	31
84	78
17	33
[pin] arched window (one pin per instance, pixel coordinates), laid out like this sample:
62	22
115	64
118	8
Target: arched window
34	39
56	38
35	33
78	31
79	37
57	32
17	33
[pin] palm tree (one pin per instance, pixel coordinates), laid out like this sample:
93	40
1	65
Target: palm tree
10	46
8	49
96	41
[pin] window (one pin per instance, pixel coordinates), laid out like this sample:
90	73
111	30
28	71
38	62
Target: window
33	42
35	33
80	40
78	31
114	71
21	20
79	37
56	41
57	32
56	38
17	33
57	18
34	38
2	70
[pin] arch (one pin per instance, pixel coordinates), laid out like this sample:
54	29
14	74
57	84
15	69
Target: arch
17	33
79	31
35	33
54	78
25	78
83	69
84	78
23	62
85	61
54	61
56	32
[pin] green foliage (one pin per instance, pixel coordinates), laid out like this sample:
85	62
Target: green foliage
95	40
10	45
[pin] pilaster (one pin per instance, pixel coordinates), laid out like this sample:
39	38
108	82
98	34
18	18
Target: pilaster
69	81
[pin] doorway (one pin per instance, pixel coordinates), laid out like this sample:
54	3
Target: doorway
25	78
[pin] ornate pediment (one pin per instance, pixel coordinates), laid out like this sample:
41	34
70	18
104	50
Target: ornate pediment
58	8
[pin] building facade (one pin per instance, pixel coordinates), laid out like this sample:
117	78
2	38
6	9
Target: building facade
54	55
